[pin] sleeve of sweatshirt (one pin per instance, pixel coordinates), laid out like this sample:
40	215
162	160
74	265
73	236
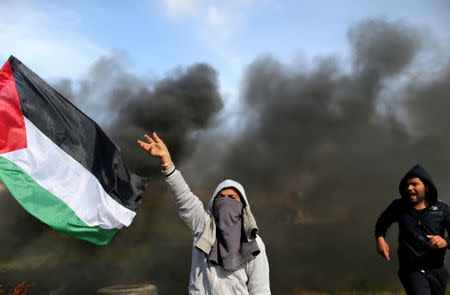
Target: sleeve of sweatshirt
189	206
258	272
447	226
386	218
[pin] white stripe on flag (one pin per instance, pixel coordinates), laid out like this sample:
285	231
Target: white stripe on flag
68	180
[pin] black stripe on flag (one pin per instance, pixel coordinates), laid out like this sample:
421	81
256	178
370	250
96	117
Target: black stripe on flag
78	135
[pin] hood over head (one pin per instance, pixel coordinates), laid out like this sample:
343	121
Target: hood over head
249	223
419	172
234	244
208	237
228	183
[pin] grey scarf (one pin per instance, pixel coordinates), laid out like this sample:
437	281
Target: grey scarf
230	249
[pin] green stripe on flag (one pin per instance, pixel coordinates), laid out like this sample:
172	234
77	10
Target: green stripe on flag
48	208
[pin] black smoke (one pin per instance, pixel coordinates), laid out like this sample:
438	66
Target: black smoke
323	150
178	106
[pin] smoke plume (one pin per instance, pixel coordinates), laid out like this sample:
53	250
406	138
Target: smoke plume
325	147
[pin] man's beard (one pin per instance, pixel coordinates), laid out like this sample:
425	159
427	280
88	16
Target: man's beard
419	198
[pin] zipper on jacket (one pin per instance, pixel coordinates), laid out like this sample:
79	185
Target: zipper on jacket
420	216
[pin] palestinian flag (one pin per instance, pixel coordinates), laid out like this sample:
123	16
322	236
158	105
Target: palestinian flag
58	163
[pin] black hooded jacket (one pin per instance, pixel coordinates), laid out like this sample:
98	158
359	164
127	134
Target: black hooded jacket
414	250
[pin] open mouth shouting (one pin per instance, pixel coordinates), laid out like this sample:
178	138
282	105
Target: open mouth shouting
412	195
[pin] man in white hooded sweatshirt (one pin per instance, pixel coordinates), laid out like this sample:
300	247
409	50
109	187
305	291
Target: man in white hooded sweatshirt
228	257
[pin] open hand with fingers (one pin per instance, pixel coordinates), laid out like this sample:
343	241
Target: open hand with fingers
157	148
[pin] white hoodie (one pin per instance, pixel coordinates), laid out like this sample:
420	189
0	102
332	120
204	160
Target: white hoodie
207	278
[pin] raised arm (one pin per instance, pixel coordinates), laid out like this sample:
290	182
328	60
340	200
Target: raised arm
189	206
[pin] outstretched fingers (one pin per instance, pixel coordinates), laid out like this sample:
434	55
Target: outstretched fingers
144	145
149	139
147	145
155	136
155	147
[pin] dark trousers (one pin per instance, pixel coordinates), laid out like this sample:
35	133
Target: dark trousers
425	282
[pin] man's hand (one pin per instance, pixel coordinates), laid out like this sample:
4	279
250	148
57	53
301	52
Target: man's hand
156	148
437	241
383	248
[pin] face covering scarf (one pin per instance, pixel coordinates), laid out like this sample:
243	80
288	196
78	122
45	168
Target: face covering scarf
231	249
